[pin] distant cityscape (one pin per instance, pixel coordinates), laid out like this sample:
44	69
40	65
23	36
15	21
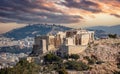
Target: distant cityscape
26	42
9	44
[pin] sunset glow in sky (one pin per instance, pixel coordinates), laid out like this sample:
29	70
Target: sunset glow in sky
72	13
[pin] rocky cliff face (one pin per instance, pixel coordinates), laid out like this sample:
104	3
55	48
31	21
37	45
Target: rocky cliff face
105	50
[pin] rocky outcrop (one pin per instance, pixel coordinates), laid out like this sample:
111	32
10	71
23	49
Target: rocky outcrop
105	50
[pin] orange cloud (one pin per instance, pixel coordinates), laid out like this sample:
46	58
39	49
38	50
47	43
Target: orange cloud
57	11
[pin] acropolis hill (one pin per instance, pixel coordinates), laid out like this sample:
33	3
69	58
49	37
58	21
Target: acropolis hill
63	43
102	56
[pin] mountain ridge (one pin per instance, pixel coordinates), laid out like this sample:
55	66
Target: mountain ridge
44	29
33	30
108	29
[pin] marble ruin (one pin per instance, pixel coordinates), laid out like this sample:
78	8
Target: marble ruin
63	43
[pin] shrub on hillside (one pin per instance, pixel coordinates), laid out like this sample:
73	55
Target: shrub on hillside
79	66
62	71
112	35
52	58
22	67
74	56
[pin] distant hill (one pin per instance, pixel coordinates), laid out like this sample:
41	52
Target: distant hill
33	30
99	33
43	29
108	29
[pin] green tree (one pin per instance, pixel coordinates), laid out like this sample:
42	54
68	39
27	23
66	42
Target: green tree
90	60
50	58
66	57
74	56
62	71
112	35
79	66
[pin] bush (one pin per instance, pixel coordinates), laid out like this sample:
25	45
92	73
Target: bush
74	56
79	66
66	57
112	35
94	57
56	66
99	62
86	57
62	71
91	61
116	72
52	58
118	65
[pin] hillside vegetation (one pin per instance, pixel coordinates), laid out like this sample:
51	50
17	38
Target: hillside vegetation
33	30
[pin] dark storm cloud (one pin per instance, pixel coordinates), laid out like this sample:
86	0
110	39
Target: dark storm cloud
40	17
118	0
116	15
83	4
33	11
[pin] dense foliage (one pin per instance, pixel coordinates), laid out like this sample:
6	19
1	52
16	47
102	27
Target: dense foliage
22	67
54	63
112	35
62	71
74	56
51	63
51	58
79	66
91	61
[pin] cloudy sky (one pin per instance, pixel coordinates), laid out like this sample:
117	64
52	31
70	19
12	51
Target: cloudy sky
72	13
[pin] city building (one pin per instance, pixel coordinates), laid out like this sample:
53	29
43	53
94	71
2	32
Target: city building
26	42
